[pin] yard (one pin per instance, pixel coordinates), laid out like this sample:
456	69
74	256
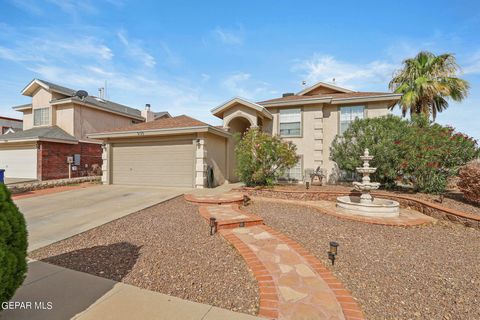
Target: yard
165	248
428	272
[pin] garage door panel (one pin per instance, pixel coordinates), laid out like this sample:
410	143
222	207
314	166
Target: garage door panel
167	163
19	162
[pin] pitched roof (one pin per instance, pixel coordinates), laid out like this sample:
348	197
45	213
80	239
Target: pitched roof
102	104
319	84
39	133
70	96
182	121
332	96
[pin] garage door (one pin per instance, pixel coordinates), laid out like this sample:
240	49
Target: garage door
19	162
165	164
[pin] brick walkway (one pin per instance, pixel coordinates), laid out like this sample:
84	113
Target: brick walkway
293	283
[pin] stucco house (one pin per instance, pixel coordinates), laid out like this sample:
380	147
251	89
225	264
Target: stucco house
55	128
10	125
182	151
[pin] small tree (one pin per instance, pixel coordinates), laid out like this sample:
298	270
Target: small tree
13	246
262	159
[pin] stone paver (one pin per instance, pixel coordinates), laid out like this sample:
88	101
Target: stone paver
293	284
302	293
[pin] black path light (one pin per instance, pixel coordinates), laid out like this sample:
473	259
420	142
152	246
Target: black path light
213	225
332	253
307	184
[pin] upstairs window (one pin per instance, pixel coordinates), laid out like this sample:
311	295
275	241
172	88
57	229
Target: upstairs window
41	117
290	122
348	115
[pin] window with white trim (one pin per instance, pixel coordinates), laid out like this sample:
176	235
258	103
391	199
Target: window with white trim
348	115
290	122
295	173
41	117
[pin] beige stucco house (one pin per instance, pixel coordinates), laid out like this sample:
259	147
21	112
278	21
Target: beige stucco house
182	151
55	128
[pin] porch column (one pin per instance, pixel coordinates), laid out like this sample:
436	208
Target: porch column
106	156
200	162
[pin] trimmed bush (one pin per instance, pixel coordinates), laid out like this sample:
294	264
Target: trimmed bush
13	246
469	181
262	159
416	152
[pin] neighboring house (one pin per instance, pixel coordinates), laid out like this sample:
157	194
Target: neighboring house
55	128
179	151
10	125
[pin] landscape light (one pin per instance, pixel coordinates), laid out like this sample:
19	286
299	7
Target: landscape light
213	222
307	184
332	253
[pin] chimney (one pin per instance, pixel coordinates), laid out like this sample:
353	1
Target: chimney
148	114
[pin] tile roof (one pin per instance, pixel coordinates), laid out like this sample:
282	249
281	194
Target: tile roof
326	95
182	121
51	132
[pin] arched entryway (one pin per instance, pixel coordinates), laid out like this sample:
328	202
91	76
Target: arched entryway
239	125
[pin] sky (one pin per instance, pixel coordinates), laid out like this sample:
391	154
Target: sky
187	57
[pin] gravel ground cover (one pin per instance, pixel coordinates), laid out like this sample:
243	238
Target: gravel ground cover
452	201
165	248
429	272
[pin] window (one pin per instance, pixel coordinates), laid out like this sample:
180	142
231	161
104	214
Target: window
41	117
290	122
348	115
295	173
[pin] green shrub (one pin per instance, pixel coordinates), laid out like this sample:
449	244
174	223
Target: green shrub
13	246
262	159
416	151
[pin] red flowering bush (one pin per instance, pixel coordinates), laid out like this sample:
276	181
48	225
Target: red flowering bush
262	159
417	151
469	182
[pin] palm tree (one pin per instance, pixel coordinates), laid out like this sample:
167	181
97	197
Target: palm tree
426	82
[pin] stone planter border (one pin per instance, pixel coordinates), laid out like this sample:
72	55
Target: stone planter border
37	185
431	209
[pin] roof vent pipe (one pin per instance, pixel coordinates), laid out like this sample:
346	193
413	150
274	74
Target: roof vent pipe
147	106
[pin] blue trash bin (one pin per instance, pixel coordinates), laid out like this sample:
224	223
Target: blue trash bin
2	175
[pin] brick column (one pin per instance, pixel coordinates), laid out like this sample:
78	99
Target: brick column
200	162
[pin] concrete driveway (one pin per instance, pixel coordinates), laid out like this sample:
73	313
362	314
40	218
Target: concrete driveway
57	216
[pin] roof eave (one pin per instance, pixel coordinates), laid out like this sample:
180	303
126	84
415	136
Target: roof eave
326	85
34	139
388	97
83	103
158	132
218	111
296	102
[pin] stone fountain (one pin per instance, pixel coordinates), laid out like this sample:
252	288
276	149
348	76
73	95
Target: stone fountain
365	204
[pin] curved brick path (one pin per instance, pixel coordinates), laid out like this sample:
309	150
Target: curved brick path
293	283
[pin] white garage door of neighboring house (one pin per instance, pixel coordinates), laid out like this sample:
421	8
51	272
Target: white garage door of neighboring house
19	162
165	164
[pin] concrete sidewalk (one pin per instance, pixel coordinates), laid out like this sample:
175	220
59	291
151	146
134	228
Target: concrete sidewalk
81	296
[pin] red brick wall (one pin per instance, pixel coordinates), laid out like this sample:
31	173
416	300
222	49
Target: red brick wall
52	159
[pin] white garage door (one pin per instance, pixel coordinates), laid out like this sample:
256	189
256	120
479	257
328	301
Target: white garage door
165	164
19	162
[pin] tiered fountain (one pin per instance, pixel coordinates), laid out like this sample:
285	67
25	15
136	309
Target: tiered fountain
365	204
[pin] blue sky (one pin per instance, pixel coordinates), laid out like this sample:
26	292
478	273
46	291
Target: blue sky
190	56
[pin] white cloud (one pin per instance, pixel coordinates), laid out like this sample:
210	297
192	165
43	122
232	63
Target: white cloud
229	36
351	75
240	84
135	50
472	65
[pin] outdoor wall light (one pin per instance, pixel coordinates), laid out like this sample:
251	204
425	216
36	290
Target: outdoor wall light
307	184
213	225
332	253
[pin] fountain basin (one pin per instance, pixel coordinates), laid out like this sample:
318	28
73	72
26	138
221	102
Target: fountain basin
377	208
